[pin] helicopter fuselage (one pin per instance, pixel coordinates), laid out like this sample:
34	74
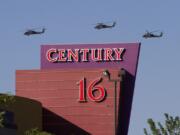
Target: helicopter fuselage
104	26
32	32
151	35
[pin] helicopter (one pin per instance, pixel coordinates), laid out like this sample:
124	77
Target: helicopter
152	35
33	32
104	26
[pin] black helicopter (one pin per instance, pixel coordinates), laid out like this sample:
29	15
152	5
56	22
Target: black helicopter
104	26
33	32
152	35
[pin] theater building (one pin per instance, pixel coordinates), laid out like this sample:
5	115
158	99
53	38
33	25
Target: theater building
85	89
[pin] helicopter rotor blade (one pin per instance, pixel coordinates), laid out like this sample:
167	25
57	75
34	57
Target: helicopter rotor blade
109	22
36	28
155	31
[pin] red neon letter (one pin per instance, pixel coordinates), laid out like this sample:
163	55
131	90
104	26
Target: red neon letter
96	54
49	55
62	55
92	87
74	55
84	54
81	84
119	53
108	54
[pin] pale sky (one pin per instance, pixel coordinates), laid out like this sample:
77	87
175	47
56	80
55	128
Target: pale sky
71	22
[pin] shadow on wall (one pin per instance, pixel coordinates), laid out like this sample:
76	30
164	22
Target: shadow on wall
125	103
9	127
27	114
59	126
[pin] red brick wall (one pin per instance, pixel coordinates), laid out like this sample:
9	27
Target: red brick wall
58	92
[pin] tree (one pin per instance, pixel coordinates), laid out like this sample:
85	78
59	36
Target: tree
36	131
5	99
2	119
171	126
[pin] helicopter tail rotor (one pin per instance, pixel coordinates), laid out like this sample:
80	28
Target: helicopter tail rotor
114	24
43	30
161	34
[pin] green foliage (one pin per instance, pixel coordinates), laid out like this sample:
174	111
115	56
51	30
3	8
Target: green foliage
6	99
1	118
36	131
170	127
